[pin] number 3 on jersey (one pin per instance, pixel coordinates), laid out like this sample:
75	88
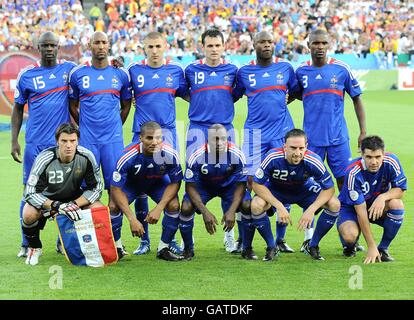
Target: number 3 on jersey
305	81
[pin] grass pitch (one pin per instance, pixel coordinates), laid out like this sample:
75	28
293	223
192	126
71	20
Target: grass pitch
215	274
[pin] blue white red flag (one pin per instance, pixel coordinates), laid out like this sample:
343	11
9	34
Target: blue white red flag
89	241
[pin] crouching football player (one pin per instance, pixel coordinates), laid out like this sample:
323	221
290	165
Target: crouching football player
54	186
373	187
291	175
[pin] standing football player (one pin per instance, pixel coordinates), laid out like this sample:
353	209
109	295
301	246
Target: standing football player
100	100
266	82
211	82
324	81
156	82
44	87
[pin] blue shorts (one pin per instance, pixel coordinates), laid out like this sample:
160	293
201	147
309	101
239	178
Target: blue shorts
31	151
169	136
197	135
106	156
303	197
206	194
338	157
155	191
347	213
255	149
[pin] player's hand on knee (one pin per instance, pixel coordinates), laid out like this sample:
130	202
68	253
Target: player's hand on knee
377	208
137	228
69	209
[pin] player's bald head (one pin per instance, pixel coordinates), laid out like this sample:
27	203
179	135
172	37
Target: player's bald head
98	35
262	35
317	34
48	36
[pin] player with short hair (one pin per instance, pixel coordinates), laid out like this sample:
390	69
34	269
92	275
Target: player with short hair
150	167
293	175
156	83
55	186
211	81
323	82
100	100
214	170
44	87
373	188
266	82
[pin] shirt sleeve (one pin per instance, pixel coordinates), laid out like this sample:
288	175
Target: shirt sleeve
293	83
37	181
175	172
126	90
352	191
182	90
21	94
398	178
351	84
73	86
263	172
239	88
94	185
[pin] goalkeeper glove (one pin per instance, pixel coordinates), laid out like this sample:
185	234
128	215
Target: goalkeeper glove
69	209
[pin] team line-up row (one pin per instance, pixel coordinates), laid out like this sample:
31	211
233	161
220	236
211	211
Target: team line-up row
283	166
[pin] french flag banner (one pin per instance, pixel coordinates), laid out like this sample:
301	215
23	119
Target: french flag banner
89	241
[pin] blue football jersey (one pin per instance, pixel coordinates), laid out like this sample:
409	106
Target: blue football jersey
155	90
211	89
361	186
45	90
292	179
266	89
100	92
135	171
323	92
228	168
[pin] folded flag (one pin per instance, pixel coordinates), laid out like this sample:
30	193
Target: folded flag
89	241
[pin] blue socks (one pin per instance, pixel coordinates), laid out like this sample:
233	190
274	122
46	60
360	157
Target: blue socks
169	226
25	243
262	224
391	225
186	225
325	222
116	221
141	211
281	228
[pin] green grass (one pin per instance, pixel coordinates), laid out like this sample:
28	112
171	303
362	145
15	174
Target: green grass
215	274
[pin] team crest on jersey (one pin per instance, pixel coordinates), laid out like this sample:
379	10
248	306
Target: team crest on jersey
163	169
189	174
259	173
353	195
279	78
78	171
116	176
115	82
32	180
227	80
169	81
333	82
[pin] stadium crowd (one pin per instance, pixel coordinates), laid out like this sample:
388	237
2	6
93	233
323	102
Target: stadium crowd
382	27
